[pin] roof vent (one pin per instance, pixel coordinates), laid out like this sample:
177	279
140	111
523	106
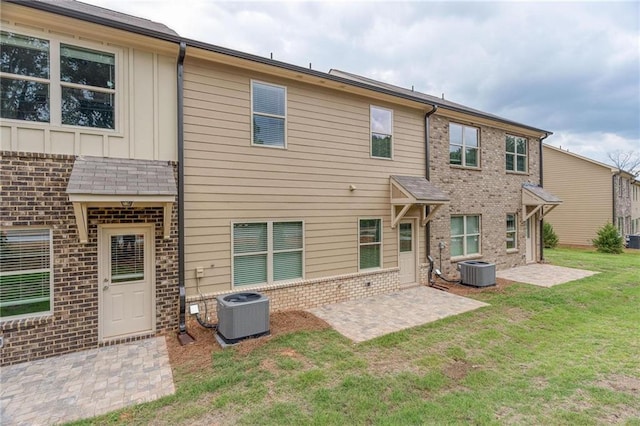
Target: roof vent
477	273
242	315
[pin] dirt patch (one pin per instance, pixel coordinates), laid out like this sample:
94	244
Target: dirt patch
465	290
197	356
456	370
620	383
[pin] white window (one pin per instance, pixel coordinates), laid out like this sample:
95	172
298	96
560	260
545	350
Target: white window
381	132
269	115
465	235
512	232
266	252
463	145
52	82
370	243
516	154
25	272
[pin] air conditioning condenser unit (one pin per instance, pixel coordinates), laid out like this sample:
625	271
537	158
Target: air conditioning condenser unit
477	273
242	315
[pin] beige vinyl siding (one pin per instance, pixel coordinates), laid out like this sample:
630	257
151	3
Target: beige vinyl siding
146	96
585	189
227	179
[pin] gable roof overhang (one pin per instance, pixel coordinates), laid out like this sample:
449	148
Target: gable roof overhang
111	182
408	191
535	199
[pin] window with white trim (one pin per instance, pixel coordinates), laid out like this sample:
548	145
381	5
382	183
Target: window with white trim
512	231
266	252
464	145
516	154
465	235
28	75
370	243
381	132
25	272
269	115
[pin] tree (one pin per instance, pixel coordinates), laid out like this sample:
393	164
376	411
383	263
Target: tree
626	161
609	240
549	236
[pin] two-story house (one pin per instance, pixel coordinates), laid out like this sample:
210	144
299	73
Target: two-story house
635	207
88	244
594	193
311	187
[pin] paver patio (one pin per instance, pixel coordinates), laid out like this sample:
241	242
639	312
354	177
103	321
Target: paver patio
543	275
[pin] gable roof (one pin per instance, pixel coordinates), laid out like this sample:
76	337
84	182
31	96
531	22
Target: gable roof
612	169
421	189
541	194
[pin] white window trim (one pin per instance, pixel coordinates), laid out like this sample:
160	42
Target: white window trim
285	116
51	272
381	243
55	84
270	252
516	155
513	249
464	236
464	146
371	132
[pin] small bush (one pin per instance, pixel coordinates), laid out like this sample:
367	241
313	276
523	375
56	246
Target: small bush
609	240
549	236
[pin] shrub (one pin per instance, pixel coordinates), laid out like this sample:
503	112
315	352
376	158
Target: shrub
609	240
549	236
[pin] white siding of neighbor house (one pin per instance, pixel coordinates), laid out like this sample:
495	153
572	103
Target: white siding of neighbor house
146	96
328	136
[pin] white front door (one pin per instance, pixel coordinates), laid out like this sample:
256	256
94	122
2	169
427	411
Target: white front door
530	241
126	280
407	253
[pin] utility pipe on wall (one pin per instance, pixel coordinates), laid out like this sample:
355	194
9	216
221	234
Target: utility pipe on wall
427	174
541	231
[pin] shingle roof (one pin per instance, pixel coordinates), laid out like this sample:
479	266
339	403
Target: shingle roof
118	176
83	10
541	193
420	188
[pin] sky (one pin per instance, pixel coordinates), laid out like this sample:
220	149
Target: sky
569	67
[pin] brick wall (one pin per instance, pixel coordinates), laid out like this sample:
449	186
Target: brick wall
33	194
489	191
317	292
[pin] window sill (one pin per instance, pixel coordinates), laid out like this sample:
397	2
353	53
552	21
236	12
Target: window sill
470	168
512	172
24	322
467	257
512	251
381	158
269	146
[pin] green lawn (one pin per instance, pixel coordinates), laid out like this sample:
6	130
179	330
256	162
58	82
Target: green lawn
563	355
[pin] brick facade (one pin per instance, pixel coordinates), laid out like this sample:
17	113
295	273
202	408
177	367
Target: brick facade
34	194
489	191
622	202
309	294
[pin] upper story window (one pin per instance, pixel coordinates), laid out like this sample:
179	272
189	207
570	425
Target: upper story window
381	132
463	145
25	272
269	115
47	81
516	154
465	235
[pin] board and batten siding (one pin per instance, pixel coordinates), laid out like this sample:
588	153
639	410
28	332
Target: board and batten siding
328	142
146	95
585	189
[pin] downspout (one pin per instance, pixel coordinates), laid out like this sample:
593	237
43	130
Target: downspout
427	175
613	198
546	135
183	337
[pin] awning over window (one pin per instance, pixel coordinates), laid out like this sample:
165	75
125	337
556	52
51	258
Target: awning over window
408	191
535	199
116	182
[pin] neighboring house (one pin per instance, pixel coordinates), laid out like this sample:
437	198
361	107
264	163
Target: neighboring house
88	243
594	194
310	187
635	207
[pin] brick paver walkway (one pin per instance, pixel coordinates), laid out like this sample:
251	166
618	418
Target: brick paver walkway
375	316
84	384
543	275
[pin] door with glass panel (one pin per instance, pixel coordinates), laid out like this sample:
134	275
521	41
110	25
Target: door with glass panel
406	253
126	281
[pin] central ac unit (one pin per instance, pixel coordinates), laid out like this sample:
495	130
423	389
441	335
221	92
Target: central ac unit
242	315
477	273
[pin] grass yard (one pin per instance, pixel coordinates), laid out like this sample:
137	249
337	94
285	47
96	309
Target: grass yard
569	354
